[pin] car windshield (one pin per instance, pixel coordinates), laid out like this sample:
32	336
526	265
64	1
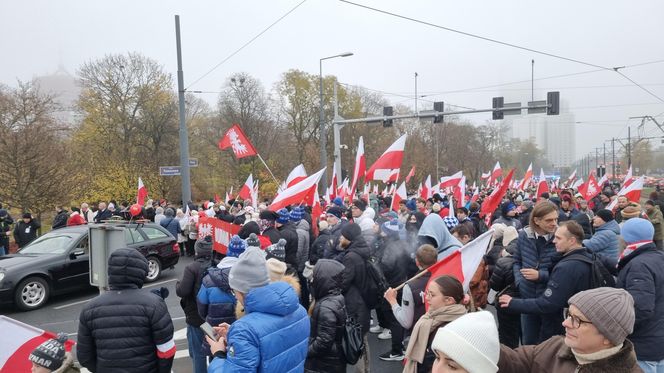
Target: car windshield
49	244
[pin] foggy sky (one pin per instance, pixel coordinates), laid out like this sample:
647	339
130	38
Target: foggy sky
39	35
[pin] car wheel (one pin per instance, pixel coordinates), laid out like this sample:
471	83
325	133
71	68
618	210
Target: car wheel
154	269
31	293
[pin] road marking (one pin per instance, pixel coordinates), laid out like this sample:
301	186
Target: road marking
180	334
72	304
159	283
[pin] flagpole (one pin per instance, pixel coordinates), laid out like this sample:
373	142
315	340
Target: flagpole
268	169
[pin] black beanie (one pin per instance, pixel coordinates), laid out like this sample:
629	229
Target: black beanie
351	231
50	354
605	215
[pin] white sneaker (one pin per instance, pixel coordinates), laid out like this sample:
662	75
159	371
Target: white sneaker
376	329
386	334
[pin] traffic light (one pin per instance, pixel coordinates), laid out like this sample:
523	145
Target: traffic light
553	102
439	107
498	104
388	112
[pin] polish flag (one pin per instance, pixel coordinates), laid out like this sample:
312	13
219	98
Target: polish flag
526	178
238	141
332	190
451	181
296	175
602	181
590	189
316	212
633	190
426	188
18	340
542	185
492	201
485	175
247	188
365	192
496	173
360	166
254	196
142	192
411	173
571	178
399	195
460	193
628	178
389	161
394	176
463	262
476	193
297	193
342	191
578	182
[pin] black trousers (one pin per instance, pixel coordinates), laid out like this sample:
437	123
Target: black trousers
509	327
386	319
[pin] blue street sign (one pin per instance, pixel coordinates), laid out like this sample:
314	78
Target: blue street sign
169	171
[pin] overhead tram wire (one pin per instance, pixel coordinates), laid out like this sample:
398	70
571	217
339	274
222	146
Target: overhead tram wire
615	69
407	97
246	44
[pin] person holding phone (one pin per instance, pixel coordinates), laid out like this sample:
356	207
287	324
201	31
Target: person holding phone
274	331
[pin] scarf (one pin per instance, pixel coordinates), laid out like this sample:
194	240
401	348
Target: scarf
428	323
632	248
583	359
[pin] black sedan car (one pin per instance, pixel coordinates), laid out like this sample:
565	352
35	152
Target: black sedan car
58	262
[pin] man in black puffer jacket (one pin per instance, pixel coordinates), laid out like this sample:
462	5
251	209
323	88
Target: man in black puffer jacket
187	289
126	329
289	233
327	319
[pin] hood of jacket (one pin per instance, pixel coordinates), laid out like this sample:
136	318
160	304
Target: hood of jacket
303	225
610	226
277	298
434	227
327	278
219	278
127	269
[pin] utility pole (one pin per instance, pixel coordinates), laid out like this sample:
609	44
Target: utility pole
184	136
613	154
532	80
604	145
417	110
629	146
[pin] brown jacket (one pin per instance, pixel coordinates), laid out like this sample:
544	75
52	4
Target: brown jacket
553	356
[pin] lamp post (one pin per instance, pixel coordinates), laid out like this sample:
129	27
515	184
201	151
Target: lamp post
323	128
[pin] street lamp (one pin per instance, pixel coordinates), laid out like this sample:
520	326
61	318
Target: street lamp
323	128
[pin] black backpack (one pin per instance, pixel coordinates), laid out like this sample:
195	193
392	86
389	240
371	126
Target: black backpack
600	276
376	283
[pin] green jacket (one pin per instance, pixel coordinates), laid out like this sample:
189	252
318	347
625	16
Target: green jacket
657	220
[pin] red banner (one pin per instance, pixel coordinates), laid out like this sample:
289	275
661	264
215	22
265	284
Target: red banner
221	232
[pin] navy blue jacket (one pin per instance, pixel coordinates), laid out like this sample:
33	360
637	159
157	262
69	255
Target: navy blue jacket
215	302
568	277
640	273
528	256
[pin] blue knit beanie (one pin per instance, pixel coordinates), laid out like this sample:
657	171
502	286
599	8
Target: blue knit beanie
411	205
284	216
236	246
636	230
450	222
296	214
338	201
390	228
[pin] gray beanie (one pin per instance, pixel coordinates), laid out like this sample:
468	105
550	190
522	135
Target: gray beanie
610	310
249	272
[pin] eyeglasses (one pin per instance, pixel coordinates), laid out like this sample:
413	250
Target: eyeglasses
576	321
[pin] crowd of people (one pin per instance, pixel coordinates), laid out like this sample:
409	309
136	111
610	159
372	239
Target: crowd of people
575	287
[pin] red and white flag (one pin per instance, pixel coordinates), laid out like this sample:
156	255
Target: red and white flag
365	192
332	190
238	141
485	175
571	178
385	192
342	191
360	166
491	202
298	193
463	262
542	185
399	195
527	177
18	340
254	196
142	192
476	193
296	175
496	173
589	189
633	190
451	181
460	193
247	188
419	189
411	173
577	183
394	176
628	177
602	180
426	188
391	160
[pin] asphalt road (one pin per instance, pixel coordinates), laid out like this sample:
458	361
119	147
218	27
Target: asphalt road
60	314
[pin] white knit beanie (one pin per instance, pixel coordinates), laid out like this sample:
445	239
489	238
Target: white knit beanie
471	341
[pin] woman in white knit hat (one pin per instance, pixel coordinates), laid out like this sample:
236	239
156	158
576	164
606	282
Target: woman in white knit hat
467	344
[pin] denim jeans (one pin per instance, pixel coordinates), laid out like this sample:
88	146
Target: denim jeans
195	341
531	325
651	366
